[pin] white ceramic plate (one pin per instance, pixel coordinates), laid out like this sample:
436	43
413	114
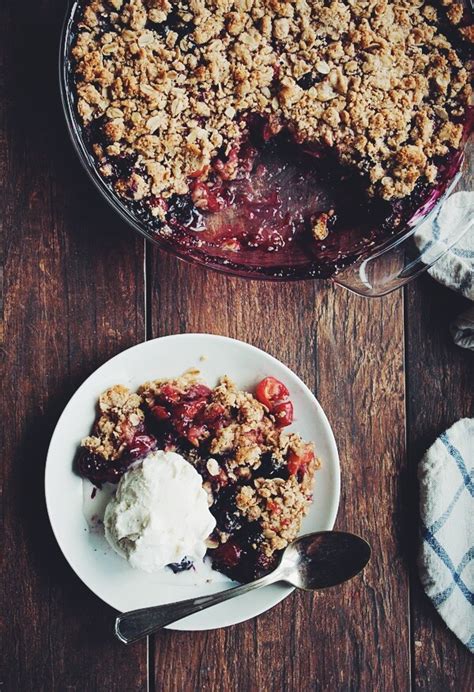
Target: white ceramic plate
103	571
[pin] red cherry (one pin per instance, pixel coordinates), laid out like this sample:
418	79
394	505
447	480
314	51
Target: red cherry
188	410
199	173
228	554
283	413
213	416
196	433
141	445
160	412
299	462
197	391
270	391
170	394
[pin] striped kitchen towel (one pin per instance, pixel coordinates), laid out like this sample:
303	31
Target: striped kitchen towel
454	268
446	559
454	220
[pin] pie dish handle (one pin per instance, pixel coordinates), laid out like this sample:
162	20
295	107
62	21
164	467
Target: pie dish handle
429	238
131	626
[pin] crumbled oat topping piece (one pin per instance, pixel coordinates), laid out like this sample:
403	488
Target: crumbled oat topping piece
120	417
172	82
320	227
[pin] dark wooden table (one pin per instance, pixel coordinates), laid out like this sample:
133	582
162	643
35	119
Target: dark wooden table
78	287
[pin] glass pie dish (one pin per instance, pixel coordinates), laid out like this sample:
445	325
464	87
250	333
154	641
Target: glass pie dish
378	246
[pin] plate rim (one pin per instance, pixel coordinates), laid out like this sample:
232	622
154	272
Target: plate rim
334	504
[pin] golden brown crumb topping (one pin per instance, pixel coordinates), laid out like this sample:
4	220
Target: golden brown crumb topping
120	415
241	446
279	505
377	79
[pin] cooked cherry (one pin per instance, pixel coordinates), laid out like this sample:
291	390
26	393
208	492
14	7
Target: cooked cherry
270	391
97	469
227	554
170	394
195	434
141	445
297	464
214	416
160	412
207	197
197	391
187	410
283	413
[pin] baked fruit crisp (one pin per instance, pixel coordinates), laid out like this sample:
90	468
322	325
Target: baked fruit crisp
258	477
264	124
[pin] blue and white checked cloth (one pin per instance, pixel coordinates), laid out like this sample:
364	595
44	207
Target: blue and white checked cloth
446	559
433	237
455	268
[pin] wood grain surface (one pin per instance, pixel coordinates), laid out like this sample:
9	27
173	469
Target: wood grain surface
73	289
78	287
336	342
440	380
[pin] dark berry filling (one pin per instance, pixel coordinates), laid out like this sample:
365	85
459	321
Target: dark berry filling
140	446
227	556
308	80
241	557
182	566
272	467
265	215
100	470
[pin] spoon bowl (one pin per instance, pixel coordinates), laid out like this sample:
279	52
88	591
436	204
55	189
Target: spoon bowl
324	559
315	561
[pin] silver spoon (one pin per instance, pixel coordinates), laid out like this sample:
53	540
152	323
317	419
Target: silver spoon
314	561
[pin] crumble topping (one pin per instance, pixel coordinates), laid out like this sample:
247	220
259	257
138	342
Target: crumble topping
238	452
279	505
258	477
171	84
120	417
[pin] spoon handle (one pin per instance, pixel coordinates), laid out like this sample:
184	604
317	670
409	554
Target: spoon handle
139	623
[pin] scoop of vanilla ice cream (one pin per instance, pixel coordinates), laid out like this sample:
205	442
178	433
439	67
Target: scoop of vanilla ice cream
160	513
